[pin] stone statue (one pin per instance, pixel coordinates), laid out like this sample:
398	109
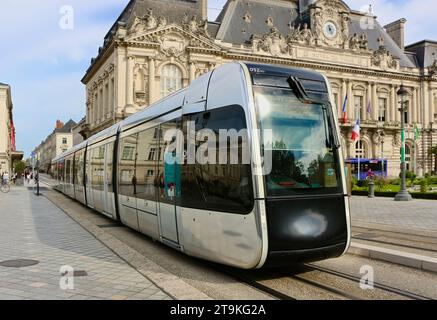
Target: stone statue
363	41
162	21
137	25
318	24
203	29
193	25
306	34
269	21
354	42
150	19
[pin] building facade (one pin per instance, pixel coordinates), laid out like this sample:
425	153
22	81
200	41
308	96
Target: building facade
157	47
8	152
59	141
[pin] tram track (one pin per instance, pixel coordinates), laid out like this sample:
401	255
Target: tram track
275	292
282	285
397	291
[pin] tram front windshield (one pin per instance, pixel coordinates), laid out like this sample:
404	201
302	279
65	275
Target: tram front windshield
297	140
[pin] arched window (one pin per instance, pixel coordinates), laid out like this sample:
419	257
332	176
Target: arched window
408	157
171	79
360	149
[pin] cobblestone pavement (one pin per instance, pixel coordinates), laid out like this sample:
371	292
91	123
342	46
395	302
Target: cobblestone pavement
33	228
416	214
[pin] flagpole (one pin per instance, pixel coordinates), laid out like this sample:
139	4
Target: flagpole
359	164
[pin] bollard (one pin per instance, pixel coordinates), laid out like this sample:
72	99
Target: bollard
371	189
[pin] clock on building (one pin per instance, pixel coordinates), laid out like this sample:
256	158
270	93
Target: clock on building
330	29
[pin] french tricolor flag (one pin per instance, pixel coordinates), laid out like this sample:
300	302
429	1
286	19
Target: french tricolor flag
356	131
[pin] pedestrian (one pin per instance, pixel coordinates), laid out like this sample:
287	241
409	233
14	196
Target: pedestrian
370	174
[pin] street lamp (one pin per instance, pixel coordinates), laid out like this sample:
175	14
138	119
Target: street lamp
403	195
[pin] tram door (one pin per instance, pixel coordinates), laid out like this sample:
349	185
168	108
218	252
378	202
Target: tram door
169	183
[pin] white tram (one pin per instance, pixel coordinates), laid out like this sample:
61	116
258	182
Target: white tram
288	204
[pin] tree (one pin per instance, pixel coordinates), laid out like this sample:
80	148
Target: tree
19	167
433	151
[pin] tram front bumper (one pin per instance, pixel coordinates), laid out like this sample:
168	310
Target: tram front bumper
306	229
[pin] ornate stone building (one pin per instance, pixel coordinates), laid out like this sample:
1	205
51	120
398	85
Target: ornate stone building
8	152
59	141
157	47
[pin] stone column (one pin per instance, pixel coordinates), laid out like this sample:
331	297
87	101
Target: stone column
369	98
350	106
375	102
396	104
391	106
343	93
130	81
192	71
431	105
425	105
414	106
151	81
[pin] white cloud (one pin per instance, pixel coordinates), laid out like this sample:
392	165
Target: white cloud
44	63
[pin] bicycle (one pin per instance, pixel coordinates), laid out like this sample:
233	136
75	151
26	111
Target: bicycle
5	187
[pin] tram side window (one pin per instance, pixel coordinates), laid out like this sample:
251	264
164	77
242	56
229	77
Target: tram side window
109	165
222	184
78	168
146	164
67	170
168	178
126	166
97	167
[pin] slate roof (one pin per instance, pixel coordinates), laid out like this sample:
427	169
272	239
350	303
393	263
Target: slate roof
285	14
173	10
67	127
425	51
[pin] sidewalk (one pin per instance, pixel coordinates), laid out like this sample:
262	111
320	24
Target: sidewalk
420	215
33	230
399	232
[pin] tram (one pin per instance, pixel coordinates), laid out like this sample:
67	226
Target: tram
287	204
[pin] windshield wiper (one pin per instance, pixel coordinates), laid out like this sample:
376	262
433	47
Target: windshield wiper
334	142
298	89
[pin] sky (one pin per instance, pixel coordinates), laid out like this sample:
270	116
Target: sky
46	47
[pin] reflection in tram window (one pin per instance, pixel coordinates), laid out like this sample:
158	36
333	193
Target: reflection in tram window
219	187
168	180
109	165
78	167
97	168
126	166
303	158
147	140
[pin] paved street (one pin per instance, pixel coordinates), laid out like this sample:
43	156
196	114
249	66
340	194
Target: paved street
33	228
416	214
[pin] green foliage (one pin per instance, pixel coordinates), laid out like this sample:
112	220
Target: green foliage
19	167
354	182
432	180
424	185
381	183
396	181
363	183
